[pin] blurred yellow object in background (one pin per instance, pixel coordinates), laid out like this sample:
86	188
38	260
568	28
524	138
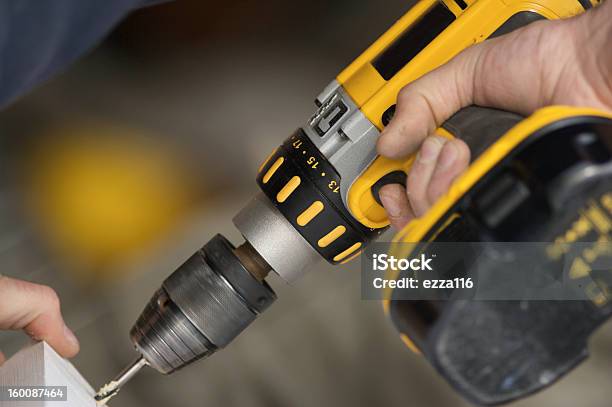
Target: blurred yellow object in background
102	194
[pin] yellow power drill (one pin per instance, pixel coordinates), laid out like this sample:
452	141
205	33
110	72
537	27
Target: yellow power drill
319	199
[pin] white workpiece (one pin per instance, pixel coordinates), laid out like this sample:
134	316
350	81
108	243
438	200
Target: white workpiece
40	365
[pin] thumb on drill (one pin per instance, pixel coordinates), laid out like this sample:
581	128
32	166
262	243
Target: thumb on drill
35	309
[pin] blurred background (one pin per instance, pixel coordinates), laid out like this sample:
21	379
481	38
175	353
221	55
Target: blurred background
116	171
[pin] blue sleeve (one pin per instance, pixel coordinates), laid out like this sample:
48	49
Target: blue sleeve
40	38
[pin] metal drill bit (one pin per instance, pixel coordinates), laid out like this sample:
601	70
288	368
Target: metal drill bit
110	389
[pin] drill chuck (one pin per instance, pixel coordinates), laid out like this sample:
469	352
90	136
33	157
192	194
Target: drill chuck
200	308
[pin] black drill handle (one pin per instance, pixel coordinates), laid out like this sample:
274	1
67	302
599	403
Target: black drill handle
480	127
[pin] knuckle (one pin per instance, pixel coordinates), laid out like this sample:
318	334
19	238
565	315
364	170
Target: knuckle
404	94
50	297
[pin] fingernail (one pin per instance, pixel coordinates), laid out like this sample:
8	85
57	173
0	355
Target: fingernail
430	149
390	204
70	336
448	156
